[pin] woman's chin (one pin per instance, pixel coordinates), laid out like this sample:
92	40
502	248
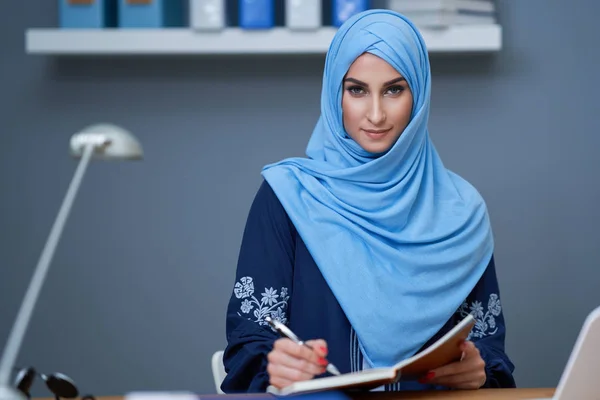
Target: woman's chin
377	147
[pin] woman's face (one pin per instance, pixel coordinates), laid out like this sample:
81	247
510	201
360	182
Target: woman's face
376	103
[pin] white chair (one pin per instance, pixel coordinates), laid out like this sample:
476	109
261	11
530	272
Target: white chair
218	370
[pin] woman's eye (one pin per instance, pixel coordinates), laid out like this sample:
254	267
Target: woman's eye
355	90
395	90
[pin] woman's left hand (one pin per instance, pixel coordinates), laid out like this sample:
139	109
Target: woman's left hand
469	373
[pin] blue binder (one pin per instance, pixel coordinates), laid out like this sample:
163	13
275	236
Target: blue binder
344	9
257	14
152	13
87	13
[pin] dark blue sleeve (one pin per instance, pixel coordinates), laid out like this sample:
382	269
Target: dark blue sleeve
262	288
489	331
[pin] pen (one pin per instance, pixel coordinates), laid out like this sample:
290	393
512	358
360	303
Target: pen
285	331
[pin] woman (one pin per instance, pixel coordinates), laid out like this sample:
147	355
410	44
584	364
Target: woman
369	245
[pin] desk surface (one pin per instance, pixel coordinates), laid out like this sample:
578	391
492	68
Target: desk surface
483	394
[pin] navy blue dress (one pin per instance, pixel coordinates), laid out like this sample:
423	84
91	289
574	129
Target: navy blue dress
277	277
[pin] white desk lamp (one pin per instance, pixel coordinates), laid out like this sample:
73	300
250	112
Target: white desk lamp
102	142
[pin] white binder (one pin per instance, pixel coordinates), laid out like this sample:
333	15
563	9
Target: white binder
303	14
207	14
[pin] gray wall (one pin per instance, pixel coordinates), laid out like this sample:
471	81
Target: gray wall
138	288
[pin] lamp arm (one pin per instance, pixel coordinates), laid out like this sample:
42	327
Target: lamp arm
20	326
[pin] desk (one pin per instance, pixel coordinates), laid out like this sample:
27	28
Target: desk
483	394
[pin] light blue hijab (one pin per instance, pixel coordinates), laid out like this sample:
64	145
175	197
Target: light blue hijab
400	239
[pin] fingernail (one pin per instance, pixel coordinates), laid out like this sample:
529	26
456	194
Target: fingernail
427	378
323	361
323	349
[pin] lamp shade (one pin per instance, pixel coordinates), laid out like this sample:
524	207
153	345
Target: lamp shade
111	143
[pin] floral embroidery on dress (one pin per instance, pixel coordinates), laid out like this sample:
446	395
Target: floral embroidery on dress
485	320
271	303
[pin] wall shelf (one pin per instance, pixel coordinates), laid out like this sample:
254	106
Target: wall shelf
175	41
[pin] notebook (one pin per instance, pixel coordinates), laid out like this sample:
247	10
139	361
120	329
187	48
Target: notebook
444	351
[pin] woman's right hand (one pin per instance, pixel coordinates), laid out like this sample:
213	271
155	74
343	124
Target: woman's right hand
290	362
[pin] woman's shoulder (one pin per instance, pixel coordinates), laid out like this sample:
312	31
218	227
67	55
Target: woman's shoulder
265	197
467	190
266	206
265	192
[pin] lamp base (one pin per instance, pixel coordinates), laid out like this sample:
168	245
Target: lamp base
10	393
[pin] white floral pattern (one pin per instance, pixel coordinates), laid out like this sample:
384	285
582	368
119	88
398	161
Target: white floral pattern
485	320
271	304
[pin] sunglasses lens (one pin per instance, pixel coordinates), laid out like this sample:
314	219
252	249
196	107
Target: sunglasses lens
24	380
62	386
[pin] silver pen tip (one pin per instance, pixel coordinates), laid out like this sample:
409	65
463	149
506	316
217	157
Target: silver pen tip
332	369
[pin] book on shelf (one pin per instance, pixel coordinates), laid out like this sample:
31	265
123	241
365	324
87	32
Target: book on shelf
480	6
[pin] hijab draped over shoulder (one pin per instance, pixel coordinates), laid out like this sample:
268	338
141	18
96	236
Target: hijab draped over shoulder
400	240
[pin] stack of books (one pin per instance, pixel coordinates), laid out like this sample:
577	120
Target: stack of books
446	13
208	15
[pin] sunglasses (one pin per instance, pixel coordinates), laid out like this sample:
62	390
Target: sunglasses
59	384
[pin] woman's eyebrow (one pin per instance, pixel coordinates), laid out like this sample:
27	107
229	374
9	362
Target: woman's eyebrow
395	80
